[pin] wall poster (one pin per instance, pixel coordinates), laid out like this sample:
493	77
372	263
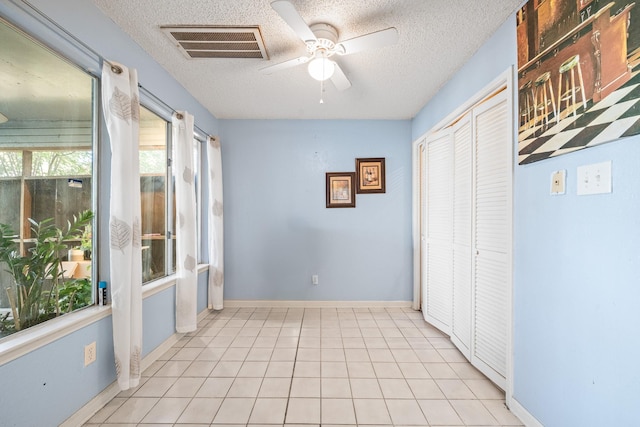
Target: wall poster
578	75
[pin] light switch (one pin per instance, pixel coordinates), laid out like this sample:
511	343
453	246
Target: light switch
558	179
594	179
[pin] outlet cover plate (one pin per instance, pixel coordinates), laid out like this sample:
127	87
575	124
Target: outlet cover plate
558	182
89	353
594	179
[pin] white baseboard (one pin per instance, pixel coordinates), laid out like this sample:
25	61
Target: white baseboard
315	304
94	405
519	411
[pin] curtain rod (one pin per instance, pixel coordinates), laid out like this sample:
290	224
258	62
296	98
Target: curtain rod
87	49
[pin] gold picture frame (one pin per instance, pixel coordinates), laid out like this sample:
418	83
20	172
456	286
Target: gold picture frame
371	175
341	189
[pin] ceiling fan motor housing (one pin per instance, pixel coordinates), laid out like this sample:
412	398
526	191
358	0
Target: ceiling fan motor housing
326	35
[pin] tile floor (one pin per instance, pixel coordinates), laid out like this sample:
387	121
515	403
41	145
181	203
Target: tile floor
339	366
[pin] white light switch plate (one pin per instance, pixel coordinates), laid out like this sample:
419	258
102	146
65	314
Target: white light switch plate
594	179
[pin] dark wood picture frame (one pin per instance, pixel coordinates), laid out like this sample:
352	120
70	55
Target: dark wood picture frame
341	189
371	175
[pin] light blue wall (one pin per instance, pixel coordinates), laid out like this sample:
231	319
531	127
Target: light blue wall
48	385
278	231
576	270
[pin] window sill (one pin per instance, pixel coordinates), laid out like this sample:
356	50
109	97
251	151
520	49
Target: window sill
21	343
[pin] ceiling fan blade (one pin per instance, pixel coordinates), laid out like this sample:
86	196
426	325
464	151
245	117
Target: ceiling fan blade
284	65
369	41
291	16
339	79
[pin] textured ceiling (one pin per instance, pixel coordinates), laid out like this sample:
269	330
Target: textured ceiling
436	37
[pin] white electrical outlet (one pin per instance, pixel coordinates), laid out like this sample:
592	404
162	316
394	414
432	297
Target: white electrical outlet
90	353
314	279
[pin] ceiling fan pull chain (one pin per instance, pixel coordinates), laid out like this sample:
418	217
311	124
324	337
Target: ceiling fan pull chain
321	91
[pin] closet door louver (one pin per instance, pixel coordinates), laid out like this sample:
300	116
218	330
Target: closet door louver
462	237
492	238
439	269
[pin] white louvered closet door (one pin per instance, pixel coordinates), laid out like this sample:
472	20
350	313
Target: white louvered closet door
462	236
437	296
492	229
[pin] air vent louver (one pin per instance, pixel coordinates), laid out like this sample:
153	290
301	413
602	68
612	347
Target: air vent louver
197	42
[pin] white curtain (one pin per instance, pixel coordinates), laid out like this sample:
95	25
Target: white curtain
216	250
122	112
186	239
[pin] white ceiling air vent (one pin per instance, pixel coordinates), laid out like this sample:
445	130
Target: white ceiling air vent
217	41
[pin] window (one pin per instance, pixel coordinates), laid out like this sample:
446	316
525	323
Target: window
47	130
154	133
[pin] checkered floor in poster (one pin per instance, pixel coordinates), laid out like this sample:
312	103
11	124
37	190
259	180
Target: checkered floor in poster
616	116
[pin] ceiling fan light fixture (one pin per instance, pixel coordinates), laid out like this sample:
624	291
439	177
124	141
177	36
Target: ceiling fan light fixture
321	68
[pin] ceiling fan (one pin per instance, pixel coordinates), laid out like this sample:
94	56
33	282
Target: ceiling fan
322	44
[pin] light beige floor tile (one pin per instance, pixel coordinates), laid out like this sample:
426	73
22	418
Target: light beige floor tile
245	387
199	341
287	342
200	411
441	342
337	411
391	332
365	388
399	343
404	355
439	413
308	354
283	355
235	353
234	411
211	354
290	332
455	389
242	341
309	342
440	371
484	389
221	341
452	355
406	412
413	370
335	388
371	331
253	369
226	368
269	331
200	368
360	370
153	368
387	370
380	355
330	332
167	410
364	323
419	343
275	387
280	369
466	371
303	411
169	353
187	353
331	342
107	410
133	410
352	332
501	413
307	369
266	341
155	387
429	356
268	411
356	355
395	388
473	412
185	387
425	389
173	368
332	355
356	342
305	387
215	387
259	354
333	369
375	342
309	331
371	411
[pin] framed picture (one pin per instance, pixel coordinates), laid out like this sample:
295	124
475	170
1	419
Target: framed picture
371	175
341	189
